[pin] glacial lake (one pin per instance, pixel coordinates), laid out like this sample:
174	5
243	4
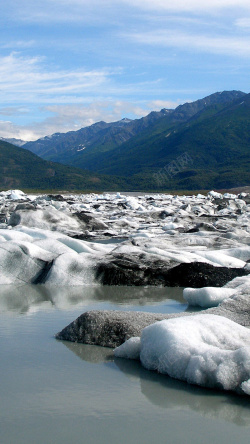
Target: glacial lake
55	392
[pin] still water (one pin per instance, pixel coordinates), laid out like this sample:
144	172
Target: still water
60	392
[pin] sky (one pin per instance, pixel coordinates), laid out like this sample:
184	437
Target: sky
66	64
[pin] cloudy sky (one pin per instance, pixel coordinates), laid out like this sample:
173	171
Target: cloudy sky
65	64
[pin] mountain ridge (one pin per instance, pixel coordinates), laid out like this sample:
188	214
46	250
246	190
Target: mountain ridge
81	148
61	146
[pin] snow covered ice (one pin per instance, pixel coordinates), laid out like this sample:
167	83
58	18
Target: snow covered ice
174	230
206	297
206	350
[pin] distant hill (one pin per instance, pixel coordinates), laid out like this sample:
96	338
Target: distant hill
19	168
16	142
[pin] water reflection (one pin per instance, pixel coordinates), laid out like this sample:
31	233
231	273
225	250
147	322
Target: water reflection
169	393
23	298
28	298
172	394
90	353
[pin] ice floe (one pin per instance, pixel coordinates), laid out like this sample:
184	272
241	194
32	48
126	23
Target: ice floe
206	350
206	297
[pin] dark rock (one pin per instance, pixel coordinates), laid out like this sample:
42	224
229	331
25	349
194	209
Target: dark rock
25	206
221	202
57	197
157	215
14	219
163	214
132	270
203	226
193	230
221	206
245	198
199	274
3	218
83	236
90	221
136	270
112	328
122	205
107	328
236	308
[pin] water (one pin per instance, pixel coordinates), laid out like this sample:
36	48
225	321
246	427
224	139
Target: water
60	392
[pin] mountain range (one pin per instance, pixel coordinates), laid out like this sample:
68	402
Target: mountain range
199	145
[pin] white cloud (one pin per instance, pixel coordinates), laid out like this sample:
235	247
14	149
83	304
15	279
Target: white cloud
32	80
235	46
243	22
84	10
18	44
26	80
13	110
189	5
56	11
157	105
10	130
65	118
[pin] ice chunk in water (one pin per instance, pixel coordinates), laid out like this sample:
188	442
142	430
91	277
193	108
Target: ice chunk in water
206	297
207	350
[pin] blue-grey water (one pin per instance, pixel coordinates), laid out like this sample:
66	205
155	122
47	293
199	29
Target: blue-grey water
55	392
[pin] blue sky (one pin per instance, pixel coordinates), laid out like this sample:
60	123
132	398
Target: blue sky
67	64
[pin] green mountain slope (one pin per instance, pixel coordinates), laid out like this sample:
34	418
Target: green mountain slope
129	157
19	168
216	144
86	143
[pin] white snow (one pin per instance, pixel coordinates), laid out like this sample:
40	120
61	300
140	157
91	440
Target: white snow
206	350
129	349
71	269
151	223
207	296
215	194
81	149
21	262
171	226
221	259
11	235
48	218
239	282
132	203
